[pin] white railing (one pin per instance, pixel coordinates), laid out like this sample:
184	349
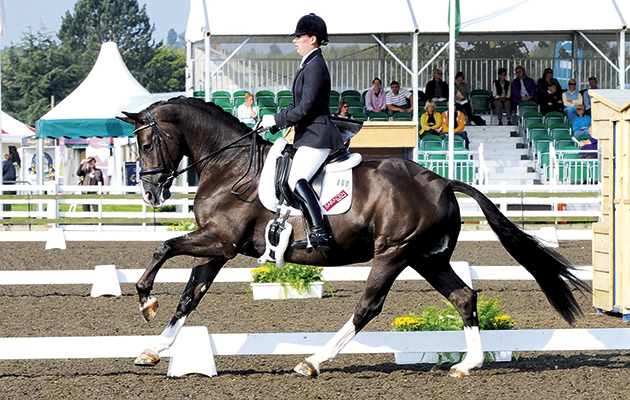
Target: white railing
47	201
277	74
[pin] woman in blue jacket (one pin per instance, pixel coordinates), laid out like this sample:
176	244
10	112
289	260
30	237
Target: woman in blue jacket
315	135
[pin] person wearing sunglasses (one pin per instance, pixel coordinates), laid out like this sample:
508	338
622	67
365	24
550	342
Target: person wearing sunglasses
544	82
342	111
436	88
571	97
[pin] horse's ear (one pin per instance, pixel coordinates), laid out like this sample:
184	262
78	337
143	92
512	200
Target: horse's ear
130	118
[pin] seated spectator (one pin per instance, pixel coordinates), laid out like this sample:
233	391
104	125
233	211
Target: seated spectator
430	122
375	99
592	83
551	100
580	122
460	124
588	144
571	97
342	111
462	100
523	87
501	94
398	100
247	112
545	80
436	88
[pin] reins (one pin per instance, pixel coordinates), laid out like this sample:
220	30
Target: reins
172	167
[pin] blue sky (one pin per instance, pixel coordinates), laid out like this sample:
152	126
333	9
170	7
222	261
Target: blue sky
22	14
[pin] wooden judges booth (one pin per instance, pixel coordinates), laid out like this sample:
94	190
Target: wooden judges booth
381	139
611	236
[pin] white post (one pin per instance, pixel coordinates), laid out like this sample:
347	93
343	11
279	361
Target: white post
451	91
206	44
414	80
622	59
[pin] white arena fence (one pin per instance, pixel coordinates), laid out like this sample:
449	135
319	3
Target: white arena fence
51	202
195	341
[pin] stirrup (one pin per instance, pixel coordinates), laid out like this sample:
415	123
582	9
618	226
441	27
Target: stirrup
314	241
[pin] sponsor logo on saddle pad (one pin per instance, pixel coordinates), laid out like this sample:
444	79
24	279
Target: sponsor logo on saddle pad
335	200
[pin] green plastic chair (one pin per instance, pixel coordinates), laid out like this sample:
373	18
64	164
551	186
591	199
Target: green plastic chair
221	93
378	116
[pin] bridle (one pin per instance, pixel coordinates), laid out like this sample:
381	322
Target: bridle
171	167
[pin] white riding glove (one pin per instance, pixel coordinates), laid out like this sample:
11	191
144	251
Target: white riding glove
268	121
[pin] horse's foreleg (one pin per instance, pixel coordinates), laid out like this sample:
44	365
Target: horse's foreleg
201	278
464	299
380	281
191	244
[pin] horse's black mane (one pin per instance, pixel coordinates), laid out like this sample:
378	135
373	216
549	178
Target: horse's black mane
210	108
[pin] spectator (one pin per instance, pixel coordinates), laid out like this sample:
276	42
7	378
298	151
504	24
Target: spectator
580	122
375	99
460	124
436	88
430	122
571	97
545	80
462	99
523	87
8	178
247	112
342	111
551	100
592	83
588	144
398	100
90	176
501	94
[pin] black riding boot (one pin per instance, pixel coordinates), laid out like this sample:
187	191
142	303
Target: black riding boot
319	236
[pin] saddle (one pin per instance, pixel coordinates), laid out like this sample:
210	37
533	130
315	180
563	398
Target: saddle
283	167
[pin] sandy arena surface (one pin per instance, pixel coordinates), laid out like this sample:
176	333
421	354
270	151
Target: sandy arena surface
68	310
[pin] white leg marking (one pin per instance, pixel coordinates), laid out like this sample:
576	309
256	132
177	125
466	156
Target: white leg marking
334	345
168	335
474	355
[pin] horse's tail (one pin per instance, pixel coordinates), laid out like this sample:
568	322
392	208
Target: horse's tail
546	265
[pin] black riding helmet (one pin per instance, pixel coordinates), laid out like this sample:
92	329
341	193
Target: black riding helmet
312	25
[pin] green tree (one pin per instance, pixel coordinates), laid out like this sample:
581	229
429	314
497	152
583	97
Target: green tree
166	71
33	71
122	21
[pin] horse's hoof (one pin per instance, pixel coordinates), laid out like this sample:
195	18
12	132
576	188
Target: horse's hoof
150	309
148	358
457	373
307	369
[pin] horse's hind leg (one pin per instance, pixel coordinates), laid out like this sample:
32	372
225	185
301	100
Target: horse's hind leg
382	276
201	278
442	277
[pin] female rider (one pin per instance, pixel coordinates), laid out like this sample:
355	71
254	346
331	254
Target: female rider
315	134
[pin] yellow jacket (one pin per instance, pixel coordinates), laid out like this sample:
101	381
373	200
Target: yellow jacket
460	122
424	122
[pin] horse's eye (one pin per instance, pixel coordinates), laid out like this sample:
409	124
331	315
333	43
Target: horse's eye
147	147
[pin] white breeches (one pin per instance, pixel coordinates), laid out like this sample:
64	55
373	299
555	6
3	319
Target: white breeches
306	162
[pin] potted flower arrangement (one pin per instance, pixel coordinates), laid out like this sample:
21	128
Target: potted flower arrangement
293	281
491	317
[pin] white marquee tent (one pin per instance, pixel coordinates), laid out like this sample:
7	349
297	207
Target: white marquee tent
90	110
13	131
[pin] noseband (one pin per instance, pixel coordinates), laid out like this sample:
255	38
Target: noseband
171	167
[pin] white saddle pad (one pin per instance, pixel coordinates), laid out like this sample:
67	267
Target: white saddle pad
336	195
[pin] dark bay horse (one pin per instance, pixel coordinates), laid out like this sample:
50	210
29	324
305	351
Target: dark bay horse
402	215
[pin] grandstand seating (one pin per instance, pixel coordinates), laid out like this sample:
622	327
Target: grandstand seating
378	116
